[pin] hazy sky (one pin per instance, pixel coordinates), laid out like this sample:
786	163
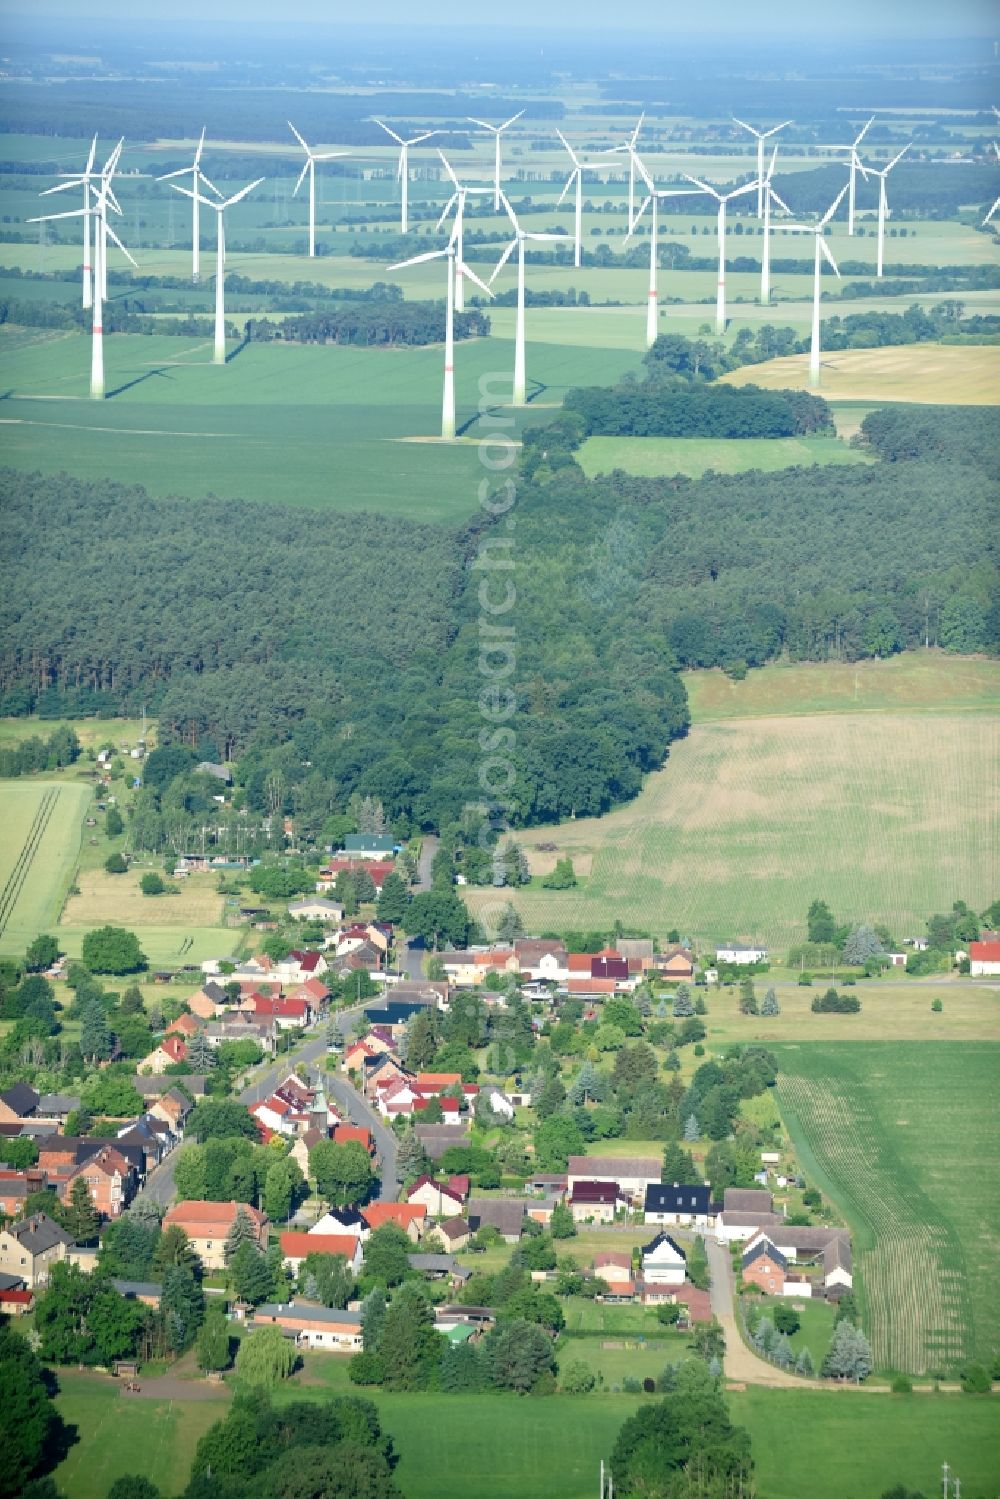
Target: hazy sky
836	18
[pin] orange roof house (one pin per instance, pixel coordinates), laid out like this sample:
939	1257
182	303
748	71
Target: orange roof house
295	1247
410	1217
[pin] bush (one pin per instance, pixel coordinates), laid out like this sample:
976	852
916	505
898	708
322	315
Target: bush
902	1385
152	884
937	1006
578	1379
805	980
115	864
832	1003
975	1380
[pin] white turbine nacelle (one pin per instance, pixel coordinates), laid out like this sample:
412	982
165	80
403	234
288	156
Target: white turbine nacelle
576	176
723	200
198	180
854	166
312	157
883	206
762	136
496	131
822	252
652	200
102	233
219	354
457	202
450	255
403	169
520	389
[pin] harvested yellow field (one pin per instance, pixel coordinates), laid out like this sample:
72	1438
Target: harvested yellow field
116	898
928	374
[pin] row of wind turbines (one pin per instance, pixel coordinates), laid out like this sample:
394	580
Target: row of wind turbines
99	196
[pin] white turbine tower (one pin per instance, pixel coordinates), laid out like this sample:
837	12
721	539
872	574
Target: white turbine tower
762	136
518	243
770	196
219	355
576	176
497	131
883	205
722	199
821	250
403	170
82	179
855	166
197	179
102	233
629	147
651	202
457	201
312	157
450	255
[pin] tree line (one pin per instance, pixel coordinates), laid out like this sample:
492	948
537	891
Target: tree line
377	323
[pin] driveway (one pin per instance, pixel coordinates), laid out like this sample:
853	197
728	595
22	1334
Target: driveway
740	1364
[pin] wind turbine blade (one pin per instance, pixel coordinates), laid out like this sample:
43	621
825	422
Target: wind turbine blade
641	168
208	202
446	210
704	186
168	176
483	123
504	259
863	132
562	239
745	126
302	174
49	218
509	210
635	133
298	137
511	120
635	221
737	192
424	137
780	201
473	277
242	193
826	251
110	198
774	129
90	157
115	240
870	172
833	208
61	187
681	192
569	183
201	147
388	131
328	155
203	178
898	155
770	171
573	156
417	259
448	167
799	228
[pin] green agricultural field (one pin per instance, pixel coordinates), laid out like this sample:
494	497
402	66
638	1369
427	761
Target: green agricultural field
902	1137
953	374
166	946
881	813
654	457
91	732
42	823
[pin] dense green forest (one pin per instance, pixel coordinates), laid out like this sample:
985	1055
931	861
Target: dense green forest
649	410
333	684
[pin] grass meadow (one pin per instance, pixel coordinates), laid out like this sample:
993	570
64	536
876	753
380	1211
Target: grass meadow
42	823
881	813
510	1448
653	457
902	1136
107	897
91	732
934	374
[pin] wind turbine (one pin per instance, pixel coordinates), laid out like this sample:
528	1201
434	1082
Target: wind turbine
722	199
102	233
497	131
855	166
762	136
219	356
450	255
82	179
576	175
822	249
651	201
197	177
312	157
765	259
457	201
883	204
518	243
629	146
996	153
403	170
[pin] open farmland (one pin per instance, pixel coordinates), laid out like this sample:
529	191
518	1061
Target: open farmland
654	457
883	813
91	732
41	823
953	374
903	1137
117	898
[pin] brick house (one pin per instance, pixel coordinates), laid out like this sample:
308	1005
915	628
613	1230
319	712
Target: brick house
764	1266
110	1179
209	1224
170	1050
18	1102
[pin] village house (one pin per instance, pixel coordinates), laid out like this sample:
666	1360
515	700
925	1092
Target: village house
453	1233
633	1174
369	846
821	1257
184	1026
18	1102
684	1206
663	1263
734	952
209	1002
263	1031
209	1224
173	1108
297	1246
57	1106
674	962
148	1292
542	960
315	908
502	1213
313	1326
378	869
441	1199
410	1217
110	1180
346	1134
172	1049
596	1201
764	1266
154	1087
984	959
30	1247
614	1267
342	1220
744	1211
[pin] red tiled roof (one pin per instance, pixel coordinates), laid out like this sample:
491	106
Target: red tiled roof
295	1246
377	1213
988	952
344	1133
201	1214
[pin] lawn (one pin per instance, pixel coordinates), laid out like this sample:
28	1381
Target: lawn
509	1448
934	374
883	814
655	457
899	1009
902	1136
42	824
